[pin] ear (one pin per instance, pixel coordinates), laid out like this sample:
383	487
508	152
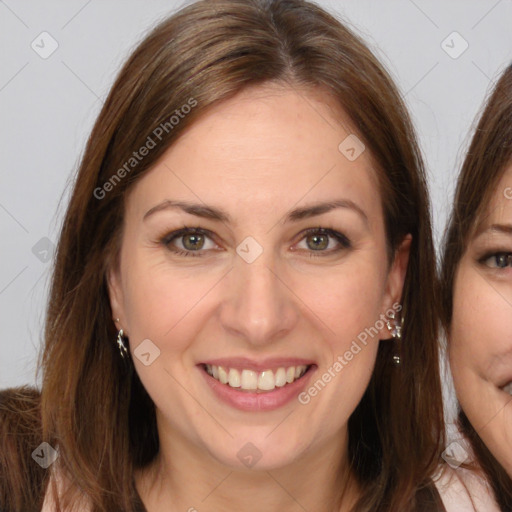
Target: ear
115	293
396	274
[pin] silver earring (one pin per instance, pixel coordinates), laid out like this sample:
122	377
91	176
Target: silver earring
395	329
121	344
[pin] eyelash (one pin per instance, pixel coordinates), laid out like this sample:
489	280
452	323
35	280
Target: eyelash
495	254
170	237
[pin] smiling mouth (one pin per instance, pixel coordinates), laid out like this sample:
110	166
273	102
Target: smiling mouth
259	382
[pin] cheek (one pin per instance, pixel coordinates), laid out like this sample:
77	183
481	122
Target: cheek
471	332
347	296
350	304
351	307
466	347
480	332
481	325
357	291
160	297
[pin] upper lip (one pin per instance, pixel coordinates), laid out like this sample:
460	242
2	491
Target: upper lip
245	363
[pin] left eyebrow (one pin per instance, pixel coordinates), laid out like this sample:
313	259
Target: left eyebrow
320	208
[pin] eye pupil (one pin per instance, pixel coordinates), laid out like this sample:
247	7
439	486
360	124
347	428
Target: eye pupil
316	238
197	241
502	260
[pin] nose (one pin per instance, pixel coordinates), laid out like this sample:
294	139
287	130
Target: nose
260	306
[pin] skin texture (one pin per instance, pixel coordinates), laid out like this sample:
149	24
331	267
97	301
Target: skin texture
481	330
257	156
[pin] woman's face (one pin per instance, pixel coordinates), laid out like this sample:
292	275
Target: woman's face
252	297
481	330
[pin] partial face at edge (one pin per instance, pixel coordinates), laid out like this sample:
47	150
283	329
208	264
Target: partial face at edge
481	330
301	302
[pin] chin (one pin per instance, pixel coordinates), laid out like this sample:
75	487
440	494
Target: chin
252	458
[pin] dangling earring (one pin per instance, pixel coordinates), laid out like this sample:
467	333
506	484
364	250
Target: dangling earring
121	344
395	329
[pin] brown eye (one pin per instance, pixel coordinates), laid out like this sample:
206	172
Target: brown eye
189	242
193	242
318	240
498	260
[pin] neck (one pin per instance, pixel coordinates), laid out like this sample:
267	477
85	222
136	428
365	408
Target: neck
184	477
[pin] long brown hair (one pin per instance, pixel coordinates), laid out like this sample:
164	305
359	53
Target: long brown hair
98	412
488	156
20	436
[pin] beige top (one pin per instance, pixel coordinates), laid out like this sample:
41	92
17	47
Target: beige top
463	490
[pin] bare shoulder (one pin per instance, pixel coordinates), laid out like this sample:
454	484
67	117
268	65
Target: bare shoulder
463	490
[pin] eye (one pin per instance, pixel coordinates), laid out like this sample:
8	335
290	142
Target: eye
190	241
193	241
497	260
319	239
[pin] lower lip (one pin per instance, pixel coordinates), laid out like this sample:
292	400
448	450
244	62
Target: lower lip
266	401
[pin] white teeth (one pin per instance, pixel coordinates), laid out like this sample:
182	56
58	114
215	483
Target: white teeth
266	380
223	376
508	388
280	377
251	380
234	378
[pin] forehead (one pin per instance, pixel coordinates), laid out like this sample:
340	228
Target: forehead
267	146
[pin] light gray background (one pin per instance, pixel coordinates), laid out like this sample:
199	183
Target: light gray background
48	106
